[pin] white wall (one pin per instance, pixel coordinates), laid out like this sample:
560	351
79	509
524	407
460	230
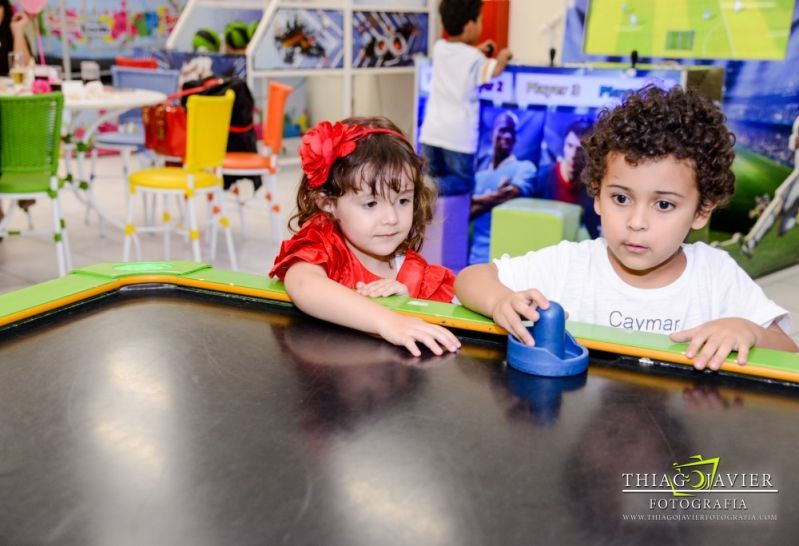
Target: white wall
526	39
325	96
389	95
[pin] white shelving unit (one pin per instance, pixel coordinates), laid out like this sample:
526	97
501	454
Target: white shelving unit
203	13
195	16
263	51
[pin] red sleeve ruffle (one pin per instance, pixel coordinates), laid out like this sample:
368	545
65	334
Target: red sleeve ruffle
426	281
319	242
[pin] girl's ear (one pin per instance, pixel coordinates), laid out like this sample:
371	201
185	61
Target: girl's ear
325	203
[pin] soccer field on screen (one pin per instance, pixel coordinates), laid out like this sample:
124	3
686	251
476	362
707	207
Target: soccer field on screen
718	29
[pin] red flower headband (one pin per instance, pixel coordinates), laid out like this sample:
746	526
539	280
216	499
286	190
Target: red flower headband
325	143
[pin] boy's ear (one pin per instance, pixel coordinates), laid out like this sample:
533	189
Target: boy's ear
702	217
596	205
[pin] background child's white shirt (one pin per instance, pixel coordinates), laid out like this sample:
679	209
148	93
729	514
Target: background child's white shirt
452	112
581	278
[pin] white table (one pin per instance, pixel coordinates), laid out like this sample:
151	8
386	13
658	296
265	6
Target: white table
109	105
113	101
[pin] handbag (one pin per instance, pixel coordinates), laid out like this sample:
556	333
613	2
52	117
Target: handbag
165	123
242	137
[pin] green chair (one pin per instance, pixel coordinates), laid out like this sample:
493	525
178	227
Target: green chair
30	136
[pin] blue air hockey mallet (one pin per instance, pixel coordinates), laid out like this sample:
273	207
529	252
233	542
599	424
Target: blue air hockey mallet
555	353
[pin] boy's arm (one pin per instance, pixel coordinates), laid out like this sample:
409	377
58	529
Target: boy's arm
487	47
314	293
774	337
711	343
503	58
478	288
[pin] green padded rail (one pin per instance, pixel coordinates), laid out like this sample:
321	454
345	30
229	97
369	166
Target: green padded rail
46	292
110	275
243	280
135	269
765	358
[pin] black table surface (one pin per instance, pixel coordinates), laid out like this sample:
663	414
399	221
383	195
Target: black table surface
168	418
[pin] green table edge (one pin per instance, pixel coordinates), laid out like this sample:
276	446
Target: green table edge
103	274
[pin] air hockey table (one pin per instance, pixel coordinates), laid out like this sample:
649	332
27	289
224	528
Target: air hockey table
173	403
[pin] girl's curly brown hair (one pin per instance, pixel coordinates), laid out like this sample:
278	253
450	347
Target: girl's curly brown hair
653	124
381	163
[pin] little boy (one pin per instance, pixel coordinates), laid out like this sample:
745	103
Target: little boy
450	127
657	166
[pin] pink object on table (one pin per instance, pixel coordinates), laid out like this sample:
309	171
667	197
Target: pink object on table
41	86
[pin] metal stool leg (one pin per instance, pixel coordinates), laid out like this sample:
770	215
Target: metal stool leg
225	223
194	232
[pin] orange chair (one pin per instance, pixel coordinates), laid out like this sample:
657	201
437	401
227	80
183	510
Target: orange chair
130	62
264	163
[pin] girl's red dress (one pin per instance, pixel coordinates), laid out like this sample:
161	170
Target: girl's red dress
320	242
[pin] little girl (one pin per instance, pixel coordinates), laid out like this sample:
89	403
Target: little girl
362	211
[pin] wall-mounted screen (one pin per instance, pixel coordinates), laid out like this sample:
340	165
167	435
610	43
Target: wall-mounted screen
698	29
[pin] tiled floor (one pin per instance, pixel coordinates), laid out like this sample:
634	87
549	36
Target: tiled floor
29	260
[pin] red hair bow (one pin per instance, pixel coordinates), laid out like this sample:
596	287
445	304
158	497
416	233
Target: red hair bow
325	143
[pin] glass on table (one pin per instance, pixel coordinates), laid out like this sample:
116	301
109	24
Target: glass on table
16	68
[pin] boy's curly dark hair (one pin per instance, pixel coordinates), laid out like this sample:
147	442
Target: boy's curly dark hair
652	124
456	13
381	163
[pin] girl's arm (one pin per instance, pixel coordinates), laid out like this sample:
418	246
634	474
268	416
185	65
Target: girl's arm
314	293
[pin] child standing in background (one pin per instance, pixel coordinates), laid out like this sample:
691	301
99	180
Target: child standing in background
450	128
362	210
657	166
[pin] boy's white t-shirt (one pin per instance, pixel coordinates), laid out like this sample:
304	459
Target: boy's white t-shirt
581	278
452	113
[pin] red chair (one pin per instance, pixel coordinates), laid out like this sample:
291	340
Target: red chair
130	62
263	164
